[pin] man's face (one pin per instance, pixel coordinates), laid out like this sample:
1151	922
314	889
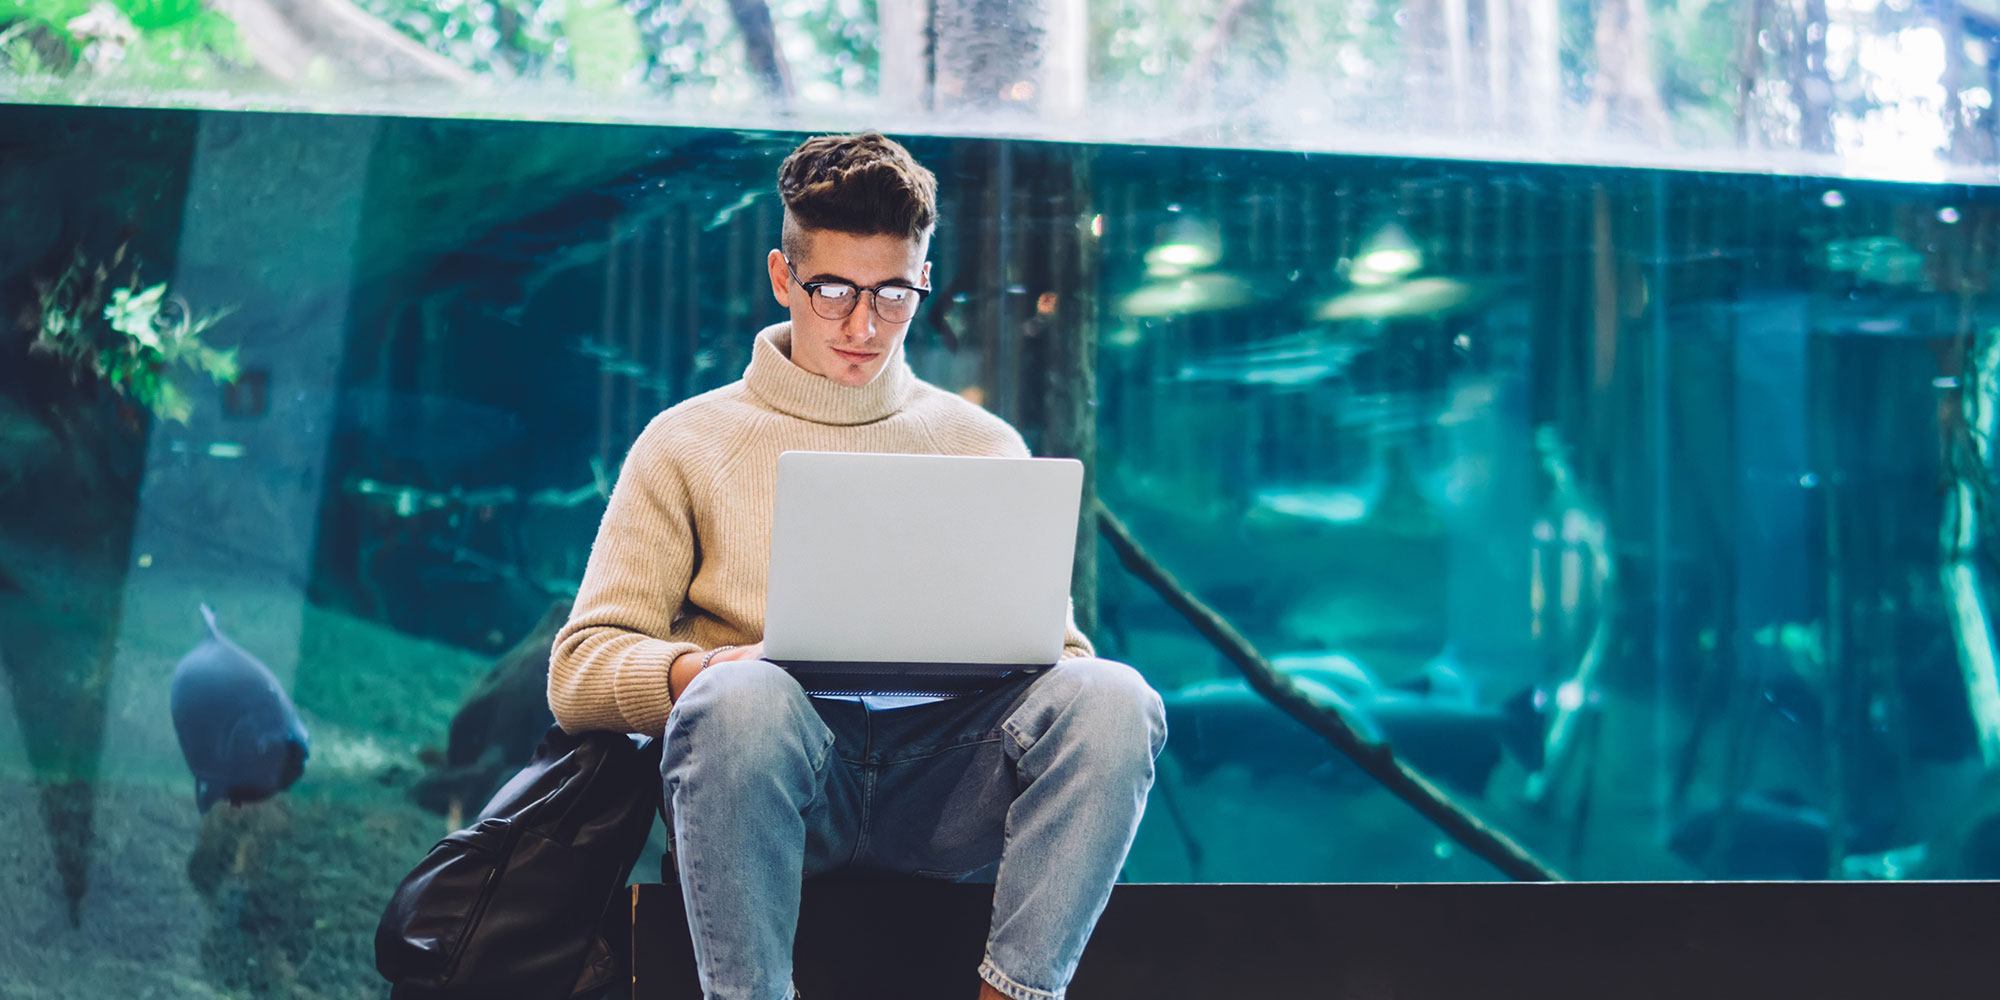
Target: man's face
851	351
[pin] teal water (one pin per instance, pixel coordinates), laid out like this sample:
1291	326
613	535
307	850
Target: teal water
1641	511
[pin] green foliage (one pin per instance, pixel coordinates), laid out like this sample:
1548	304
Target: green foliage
136	340
504	39
152	14
55	12
601	45
1144	54
20	55
604	44
155	42
846	44
1697	55
192	42
1144	48
693	46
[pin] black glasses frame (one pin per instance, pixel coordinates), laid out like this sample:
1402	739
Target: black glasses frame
874	296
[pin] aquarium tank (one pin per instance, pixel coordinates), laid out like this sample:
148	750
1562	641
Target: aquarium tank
1525	438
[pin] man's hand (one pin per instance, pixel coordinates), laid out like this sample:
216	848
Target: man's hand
754	651
684	667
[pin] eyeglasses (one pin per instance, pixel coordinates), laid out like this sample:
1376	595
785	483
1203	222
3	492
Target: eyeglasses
835	300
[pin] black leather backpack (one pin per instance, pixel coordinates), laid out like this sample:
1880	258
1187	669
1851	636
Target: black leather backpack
524	902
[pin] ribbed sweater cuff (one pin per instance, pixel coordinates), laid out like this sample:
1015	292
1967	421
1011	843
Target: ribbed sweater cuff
641	685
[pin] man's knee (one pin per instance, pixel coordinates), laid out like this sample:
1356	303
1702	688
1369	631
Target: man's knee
732	682
752	706
1112	700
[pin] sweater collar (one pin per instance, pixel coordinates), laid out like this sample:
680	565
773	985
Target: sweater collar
789	389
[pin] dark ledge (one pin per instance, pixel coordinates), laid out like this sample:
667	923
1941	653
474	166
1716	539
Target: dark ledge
1614	941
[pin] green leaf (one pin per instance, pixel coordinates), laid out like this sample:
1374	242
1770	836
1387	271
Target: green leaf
173	404
221	365
216	33
186	51
152	14
604	44
132	315
138	378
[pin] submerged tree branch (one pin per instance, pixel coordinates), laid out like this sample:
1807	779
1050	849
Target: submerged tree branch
287	37
1746	68
760	42
1377	759
1201	74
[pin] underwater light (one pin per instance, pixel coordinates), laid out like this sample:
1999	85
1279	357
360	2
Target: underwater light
1392	262
1833	199
1186	244
1390	252
1368	277
1570	695
1182	254
1948	215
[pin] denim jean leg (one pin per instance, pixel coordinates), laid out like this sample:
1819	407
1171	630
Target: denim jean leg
1083	739
745	767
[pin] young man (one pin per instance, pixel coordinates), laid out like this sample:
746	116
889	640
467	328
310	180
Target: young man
1046	773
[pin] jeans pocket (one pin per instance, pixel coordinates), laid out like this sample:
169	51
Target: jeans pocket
946	876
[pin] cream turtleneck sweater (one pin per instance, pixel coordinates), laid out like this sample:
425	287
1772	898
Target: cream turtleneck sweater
681	556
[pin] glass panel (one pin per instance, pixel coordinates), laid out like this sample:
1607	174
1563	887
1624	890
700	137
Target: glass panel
1869	88
1643	512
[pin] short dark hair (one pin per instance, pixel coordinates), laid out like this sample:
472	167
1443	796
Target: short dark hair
865	184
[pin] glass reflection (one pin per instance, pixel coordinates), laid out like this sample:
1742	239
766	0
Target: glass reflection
1643	512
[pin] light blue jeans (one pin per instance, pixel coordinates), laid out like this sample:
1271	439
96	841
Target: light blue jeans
1045	773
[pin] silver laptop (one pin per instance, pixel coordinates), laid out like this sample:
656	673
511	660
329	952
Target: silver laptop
918	574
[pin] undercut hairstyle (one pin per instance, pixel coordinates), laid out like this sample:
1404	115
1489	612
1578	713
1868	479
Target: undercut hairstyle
864	184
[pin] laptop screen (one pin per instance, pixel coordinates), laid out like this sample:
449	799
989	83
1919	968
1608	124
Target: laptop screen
963	565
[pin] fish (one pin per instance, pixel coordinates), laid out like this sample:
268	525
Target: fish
238	730
1224	721
1455	741
497	727
612	361
1772	835
1881	259
1429	723
1320	505
1894	864
722	217
1337	670
1788	664
623	366
1296	361
595	350
1443	678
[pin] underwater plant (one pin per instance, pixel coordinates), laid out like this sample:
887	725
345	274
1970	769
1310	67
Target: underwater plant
135	339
